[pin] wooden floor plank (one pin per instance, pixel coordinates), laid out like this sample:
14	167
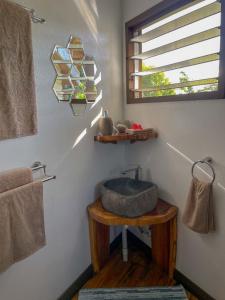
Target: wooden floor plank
139	271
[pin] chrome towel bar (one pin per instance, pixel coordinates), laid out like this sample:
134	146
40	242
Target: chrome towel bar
34	18
38	166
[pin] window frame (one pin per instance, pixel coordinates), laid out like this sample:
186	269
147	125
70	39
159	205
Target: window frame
150	15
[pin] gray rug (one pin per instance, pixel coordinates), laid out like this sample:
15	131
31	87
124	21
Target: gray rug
155	293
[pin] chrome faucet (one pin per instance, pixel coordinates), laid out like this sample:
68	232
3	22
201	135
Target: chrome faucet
136	170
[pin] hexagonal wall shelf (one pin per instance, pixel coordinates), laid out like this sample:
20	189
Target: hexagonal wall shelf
76	74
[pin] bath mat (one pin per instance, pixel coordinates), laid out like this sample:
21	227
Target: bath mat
155	293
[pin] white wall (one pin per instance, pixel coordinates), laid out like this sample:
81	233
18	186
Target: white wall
196	129
46	274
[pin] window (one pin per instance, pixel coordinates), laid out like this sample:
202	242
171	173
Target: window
176	51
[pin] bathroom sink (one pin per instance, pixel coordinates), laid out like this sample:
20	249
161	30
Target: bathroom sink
128	197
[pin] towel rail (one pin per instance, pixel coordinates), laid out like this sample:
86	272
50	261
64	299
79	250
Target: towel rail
48	178
38	166
208	161
34	18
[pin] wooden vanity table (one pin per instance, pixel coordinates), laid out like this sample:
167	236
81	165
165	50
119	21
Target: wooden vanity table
162	221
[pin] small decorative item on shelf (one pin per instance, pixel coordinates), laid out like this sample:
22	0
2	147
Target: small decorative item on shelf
105	124
130	127
139	131
121	128
136	126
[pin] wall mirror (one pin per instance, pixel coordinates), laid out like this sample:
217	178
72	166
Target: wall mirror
76	72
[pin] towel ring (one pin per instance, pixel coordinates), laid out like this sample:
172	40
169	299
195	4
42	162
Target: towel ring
207	162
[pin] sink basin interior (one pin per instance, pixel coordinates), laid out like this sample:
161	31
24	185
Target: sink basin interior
127	186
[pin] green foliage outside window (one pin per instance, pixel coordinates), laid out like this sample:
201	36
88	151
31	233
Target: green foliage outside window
154	80
160	79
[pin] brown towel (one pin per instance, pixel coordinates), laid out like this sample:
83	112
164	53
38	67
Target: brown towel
14	178
21	223
198	214
17	89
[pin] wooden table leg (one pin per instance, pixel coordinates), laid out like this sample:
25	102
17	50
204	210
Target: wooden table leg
173	247
160	245
99	244
164	237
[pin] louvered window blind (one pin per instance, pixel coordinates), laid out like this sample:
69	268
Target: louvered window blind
175	51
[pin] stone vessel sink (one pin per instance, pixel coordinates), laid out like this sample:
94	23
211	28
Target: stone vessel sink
128	197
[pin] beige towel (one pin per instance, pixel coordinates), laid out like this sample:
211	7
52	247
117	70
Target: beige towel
14	178
17	88
21	223
198	214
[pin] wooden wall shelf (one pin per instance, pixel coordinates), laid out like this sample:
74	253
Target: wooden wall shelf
137	137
